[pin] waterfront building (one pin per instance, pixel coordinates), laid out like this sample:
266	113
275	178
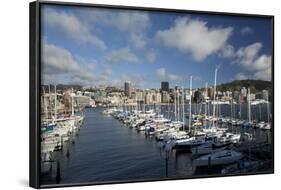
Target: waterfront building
228	93
165	97
127	89
81	101
152	97
265	94
138	96
165	86
236	96
114	98
198	97
211	93
259	95
79	93
252	96
67	100
243	91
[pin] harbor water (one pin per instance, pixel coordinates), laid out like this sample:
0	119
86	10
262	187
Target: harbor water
105	150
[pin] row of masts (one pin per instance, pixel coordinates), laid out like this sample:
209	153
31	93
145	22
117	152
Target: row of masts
55	103
177	106
211	114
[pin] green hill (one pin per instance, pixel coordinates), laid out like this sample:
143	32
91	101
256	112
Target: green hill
254	85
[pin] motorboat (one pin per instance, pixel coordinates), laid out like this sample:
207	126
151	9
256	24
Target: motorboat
206	148
218	158
188	143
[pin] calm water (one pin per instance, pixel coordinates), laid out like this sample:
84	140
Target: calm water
105	150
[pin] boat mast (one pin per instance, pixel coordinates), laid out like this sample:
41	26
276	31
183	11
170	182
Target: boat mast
268	118
168	106
208	109
136	107
137	103
55	102
183	108
234	111
260	112
214	107
175	101
240	113
190	95
178	104
218	110
160	107
206	95
249	105
72	103
45	105
231	109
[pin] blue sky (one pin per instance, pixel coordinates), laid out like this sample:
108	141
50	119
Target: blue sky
91	47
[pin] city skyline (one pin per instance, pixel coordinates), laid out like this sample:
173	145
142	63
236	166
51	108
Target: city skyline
109	47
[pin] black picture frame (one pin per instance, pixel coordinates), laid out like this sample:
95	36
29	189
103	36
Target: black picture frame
35	78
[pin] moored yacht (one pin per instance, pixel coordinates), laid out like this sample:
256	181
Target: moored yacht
218	158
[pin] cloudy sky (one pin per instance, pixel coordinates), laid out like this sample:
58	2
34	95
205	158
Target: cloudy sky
93	47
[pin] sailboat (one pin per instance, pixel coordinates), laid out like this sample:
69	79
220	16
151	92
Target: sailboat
266	126
187	143
174	132
249	122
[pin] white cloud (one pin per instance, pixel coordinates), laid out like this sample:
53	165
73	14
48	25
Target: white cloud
131	21
263	62
137	80
173	77
151	56
163	75
57	60
122	55
251	59
193	36
161	72
71	27
228	51
247	55
263	74
246	30
242	76
107	71
134	23
60	66
137	40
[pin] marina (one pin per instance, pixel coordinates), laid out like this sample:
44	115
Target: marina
111	144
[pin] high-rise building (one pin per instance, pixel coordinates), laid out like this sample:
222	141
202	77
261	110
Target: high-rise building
165	86
127	89
265	94
198	97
